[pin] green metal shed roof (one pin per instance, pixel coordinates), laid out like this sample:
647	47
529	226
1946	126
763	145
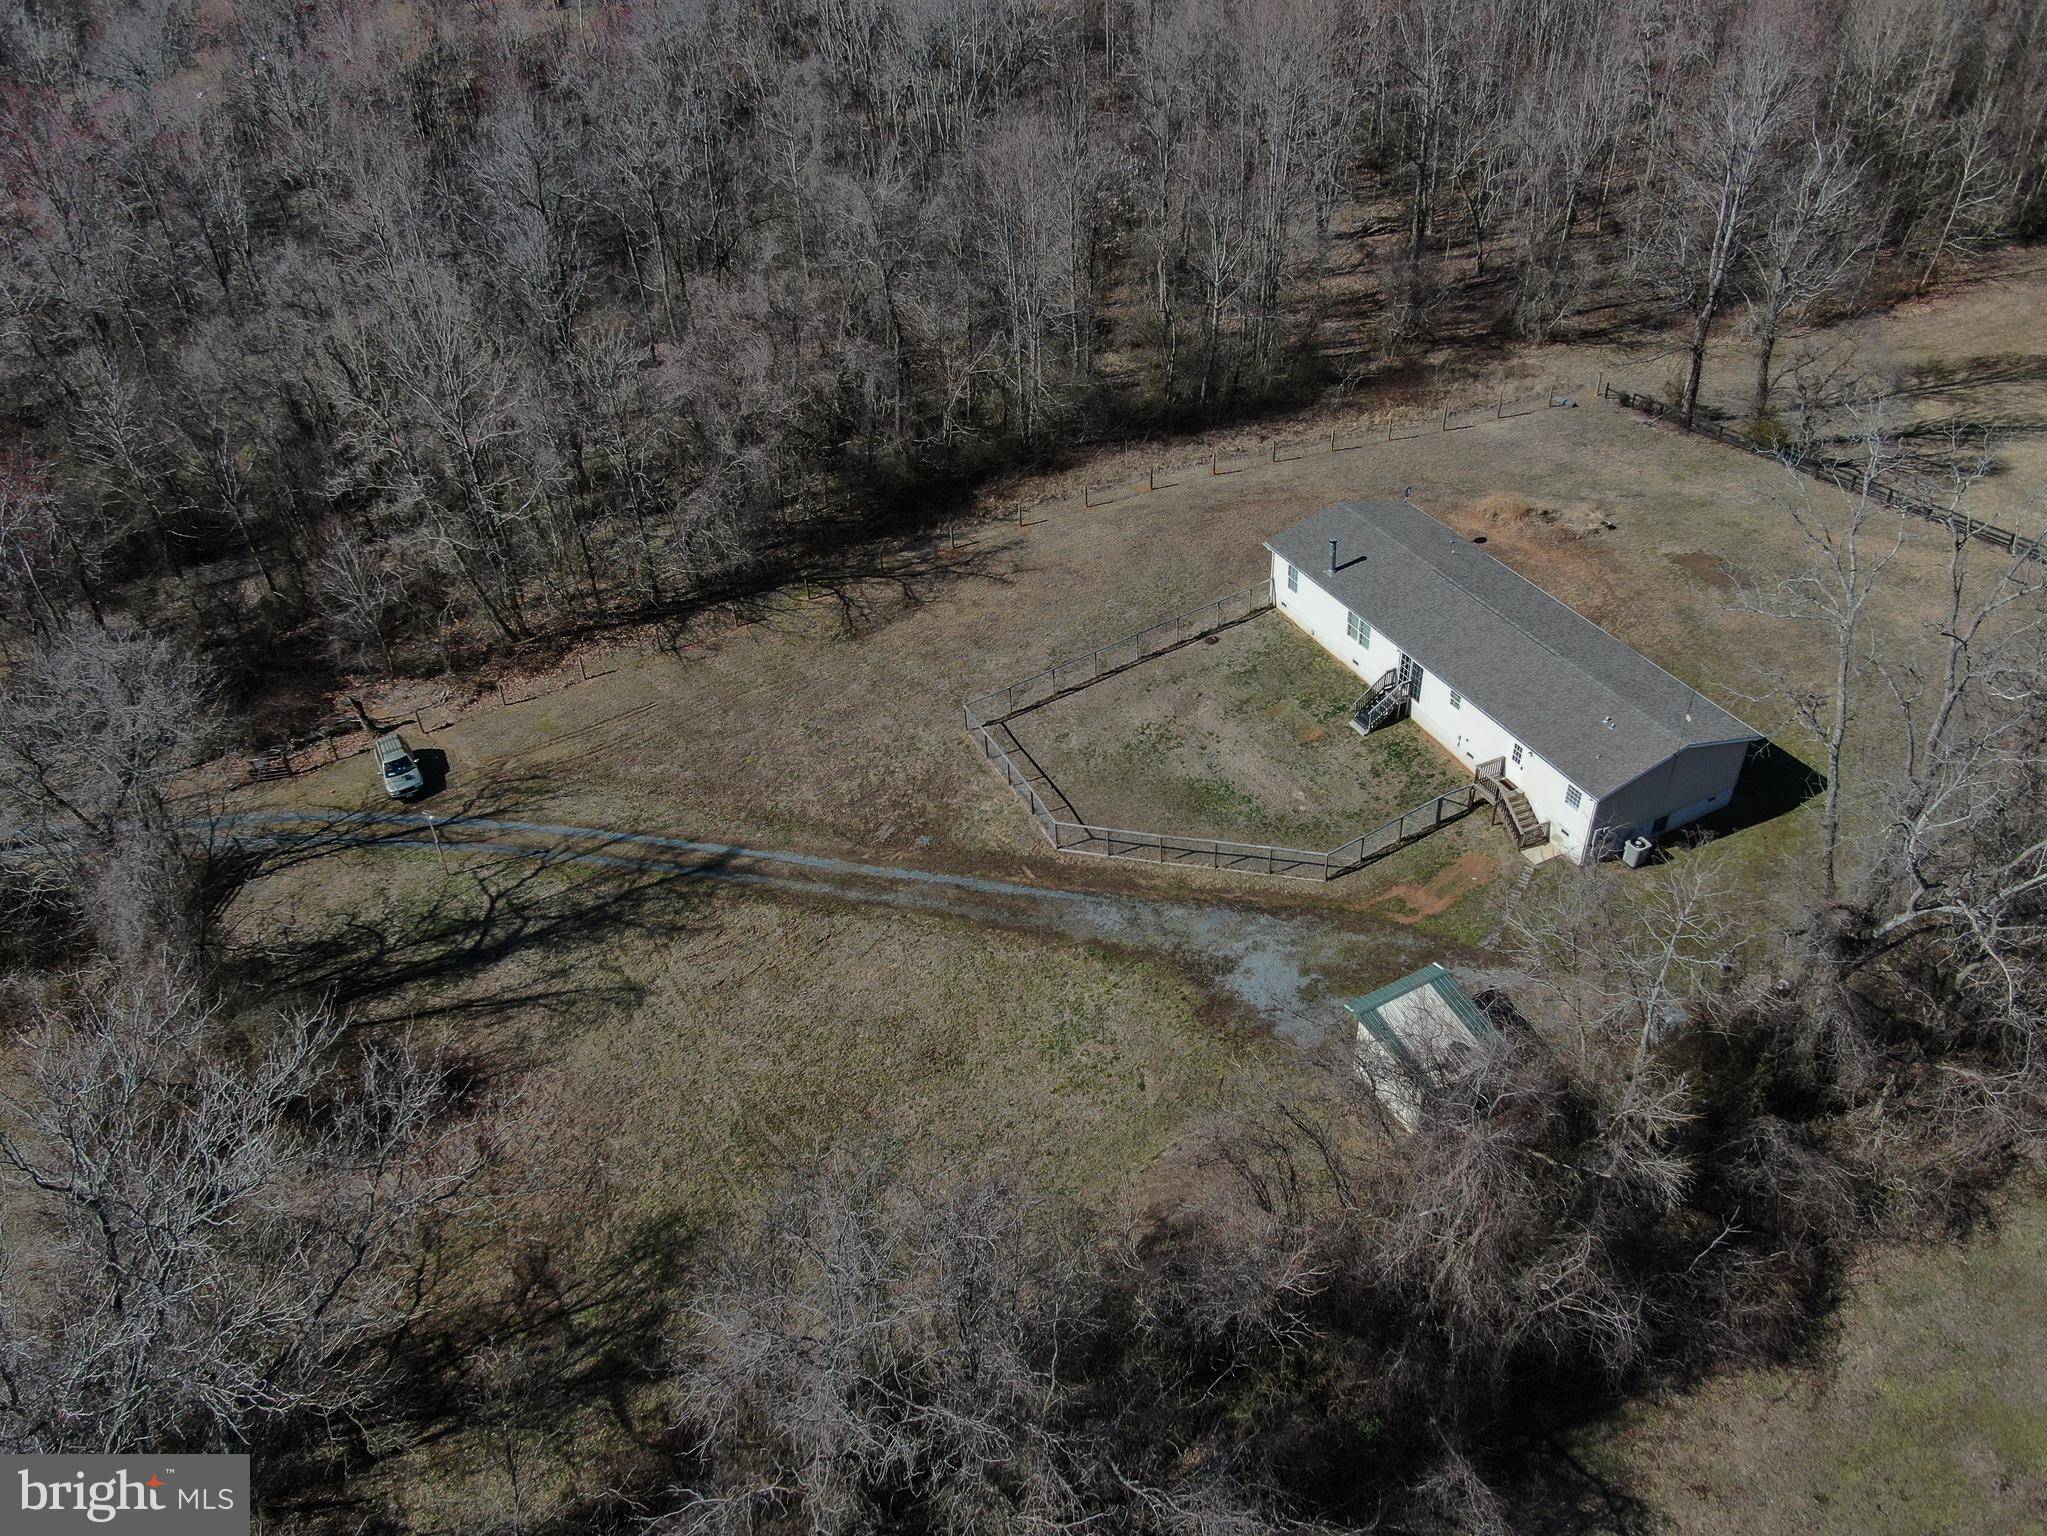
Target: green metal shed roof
1366	1009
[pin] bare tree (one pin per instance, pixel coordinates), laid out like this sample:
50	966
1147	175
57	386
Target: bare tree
361	585
875	1344
1962	855
1850	556
1976	186
217	1236
1814	239
1722	161
94	729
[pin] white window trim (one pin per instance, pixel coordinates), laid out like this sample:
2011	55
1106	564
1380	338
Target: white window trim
1293	578
1359	631
1456	698
1574	797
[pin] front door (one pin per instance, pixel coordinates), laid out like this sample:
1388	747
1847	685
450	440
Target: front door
1411	675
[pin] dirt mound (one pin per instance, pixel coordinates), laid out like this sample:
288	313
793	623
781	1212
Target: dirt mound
1510	513
1411	903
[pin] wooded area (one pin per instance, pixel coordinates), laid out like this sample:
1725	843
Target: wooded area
368	338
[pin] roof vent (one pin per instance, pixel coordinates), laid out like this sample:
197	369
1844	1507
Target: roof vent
1332	557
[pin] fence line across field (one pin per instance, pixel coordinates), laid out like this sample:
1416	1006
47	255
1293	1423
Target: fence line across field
1394	429
986	713
1969	527
1064	676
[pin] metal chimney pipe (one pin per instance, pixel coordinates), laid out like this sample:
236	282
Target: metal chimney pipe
1332	557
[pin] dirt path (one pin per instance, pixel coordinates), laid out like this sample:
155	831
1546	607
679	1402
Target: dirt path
1280	967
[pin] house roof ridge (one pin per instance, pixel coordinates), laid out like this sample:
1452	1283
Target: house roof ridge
1557	602
1647	720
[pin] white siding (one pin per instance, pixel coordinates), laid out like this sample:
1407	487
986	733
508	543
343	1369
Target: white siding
1327	621
1692	784
1466	731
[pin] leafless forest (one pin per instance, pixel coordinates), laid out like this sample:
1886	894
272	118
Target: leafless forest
350	338
347	334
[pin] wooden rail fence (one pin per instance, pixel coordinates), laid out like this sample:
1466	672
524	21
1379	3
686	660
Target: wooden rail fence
1960	522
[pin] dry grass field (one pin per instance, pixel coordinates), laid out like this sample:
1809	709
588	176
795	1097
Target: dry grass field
681	1040
1925	1412
668	1043
1964	370
832	723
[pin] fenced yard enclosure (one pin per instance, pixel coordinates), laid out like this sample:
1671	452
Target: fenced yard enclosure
992	718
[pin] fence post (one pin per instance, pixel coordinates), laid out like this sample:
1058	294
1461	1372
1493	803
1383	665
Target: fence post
1332	442
1087	495
1446	418
1151	478
1500	410
1275	450
1212	455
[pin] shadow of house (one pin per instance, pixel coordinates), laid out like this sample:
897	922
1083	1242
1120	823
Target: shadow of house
1774	782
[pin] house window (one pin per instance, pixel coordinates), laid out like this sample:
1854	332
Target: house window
1456	699
1360	631
1571	796
1293	578
1517	754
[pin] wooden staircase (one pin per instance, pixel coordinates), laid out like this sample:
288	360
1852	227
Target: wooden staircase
1381	704
1509	802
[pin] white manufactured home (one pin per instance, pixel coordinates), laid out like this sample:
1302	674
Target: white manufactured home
1591	742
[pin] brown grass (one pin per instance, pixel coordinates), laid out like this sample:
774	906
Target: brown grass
669	1047
1927	1412
1247	739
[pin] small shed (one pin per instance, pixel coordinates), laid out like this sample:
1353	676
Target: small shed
1411	1029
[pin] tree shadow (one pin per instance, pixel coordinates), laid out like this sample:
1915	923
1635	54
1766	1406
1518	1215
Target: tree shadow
387	962
589	1335
1556	1491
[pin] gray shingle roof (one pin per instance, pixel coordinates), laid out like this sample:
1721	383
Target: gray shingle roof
1599	711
